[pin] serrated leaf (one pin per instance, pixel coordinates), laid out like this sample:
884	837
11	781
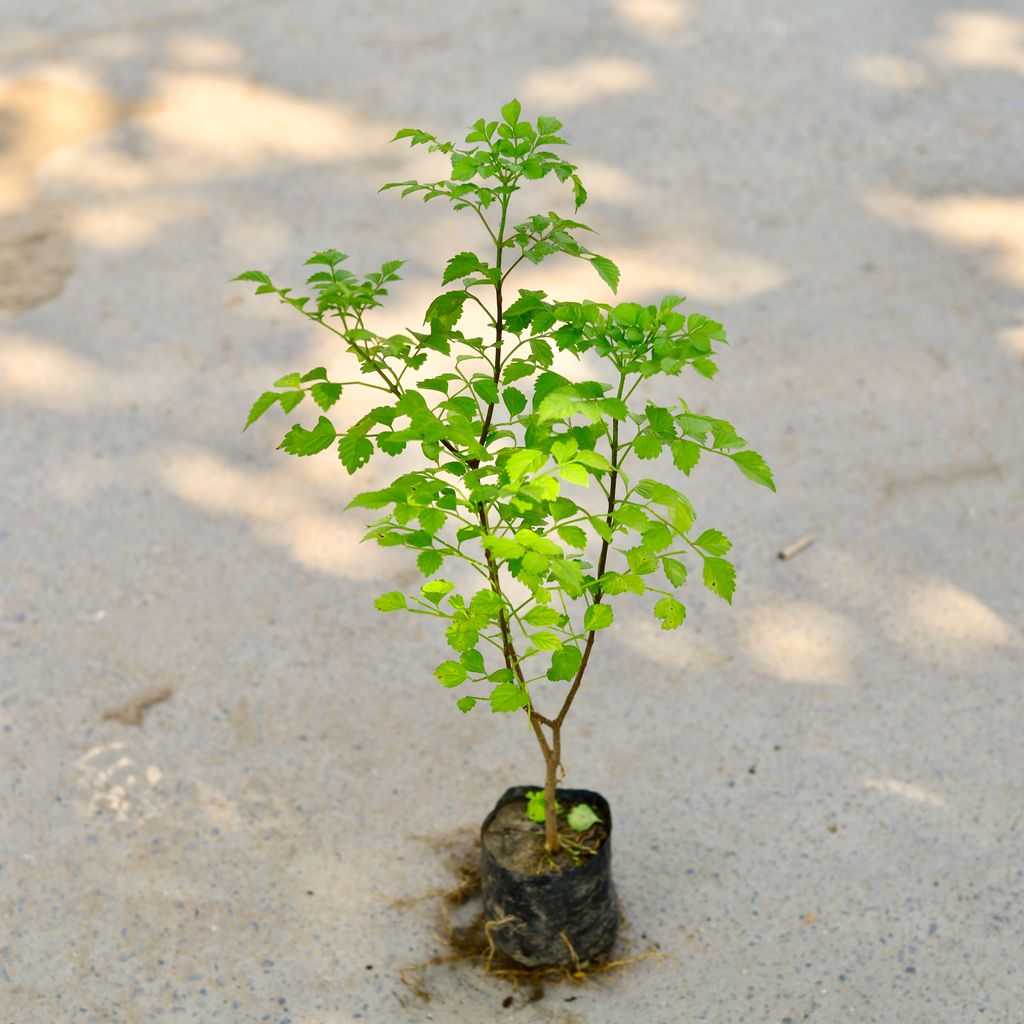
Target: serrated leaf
574	473
260	406
546	641
720	576
390	602
565	663
670	612
714	542
523	461
429	561
581	817
685	455
502	547
435	590
486	389
473	660
598	616
450	673
317	373
290	399
569	574
510	111
514	399
325	394
466	704
607	271
508	697
355	451
573	536
465	264
543	615
647	445
675	571
754	467
299	441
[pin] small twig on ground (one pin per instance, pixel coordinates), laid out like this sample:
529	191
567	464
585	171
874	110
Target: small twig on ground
131	712
794	549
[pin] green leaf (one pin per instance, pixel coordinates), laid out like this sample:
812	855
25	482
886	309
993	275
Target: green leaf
325	394
535	806
290	399
510	111
429	561
432	519
574	473
685	455
450	673
573	536
581	817
546	641
289	380
508	697
675	571
607	271
392	601
543	615
753	467
466	704
463	169
465	264
355	451
436	589
502	547
714	542
565	664
473	660
720	576
523	461
317	373
260	406
613	583
486	389
598	616
671	612
514	399
535	542
647	445
569	574
548	125
299	441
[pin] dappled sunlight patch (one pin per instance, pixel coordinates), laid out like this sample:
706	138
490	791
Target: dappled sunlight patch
38	373
889	72
994	223
586	82
946	613
980	39
697	270
643	635
654	16
41	114
280	510
1012	338
907	790
203	52
800	642
127	223
220	121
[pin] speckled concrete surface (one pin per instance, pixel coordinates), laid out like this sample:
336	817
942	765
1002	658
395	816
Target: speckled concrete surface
817	792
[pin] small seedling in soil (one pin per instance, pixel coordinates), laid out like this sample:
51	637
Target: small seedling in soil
539	482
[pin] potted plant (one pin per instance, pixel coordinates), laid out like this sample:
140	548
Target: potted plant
528	481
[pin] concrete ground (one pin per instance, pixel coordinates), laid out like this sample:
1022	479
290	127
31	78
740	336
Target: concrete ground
817	792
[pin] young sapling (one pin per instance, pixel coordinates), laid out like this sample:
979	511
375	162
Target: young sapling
533	480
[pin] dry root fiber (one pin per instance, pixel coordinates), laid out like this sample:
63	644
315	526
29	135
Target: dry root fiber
465	934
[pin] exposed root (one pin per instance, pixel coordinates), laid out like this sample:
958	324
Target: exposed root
468	936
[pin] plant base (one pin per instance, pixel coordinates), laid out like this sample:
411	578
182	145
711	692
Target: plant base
555	917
